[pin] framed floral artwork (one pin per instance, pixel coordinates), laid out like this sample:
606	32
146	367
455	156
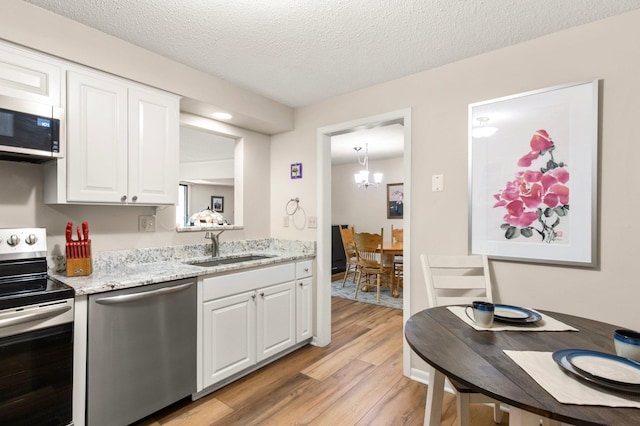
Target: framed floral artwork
533	175
395	200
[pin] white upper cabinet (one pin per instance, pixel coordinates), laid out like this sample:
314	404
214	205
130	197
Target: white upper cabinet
97	139
30	76
154	148
122	143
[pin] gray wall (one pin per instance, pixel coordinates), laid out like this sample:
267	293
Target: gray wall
439	99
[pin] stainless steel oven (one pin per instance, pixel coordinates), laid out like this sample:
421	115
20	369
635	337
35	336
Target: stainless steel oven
36	334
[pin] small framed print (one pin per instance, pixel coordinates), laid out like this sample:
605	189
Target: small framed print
395	200
217	204
296	171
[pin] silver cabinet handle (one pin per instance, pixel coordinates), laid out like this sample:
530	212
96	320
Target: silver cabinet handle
135	198
306	269
11	318
253	296
123	198
142	295
262	294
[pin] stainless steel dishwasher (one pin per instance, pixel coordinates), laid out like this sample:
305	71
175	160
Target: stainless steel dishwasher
141	351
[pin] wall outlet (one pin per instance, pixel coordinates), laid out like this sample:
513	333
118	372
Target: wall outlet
147	223
313	222
285	221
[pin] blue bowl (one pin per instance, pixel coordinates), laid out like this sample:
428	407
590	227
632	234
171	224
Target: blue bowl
627	343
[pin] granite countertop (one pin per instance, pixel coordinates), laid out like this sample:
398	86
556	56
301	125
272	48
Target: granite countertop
133	268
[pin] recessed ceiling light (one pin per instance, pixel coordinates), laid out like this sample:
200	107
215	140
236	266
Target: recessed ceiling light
221	115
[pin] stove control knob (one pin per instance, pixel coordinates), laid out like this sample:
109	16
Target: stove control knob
31	239
13	240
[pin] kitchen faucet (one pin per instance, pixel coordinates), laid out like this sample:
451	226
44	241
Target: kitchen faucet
215	242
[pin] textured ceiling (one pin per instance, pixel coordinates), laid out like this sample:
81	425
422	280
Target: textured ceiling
299	52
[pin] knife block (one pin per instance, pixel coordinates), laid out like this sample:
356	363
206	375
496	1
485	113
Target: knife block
80	266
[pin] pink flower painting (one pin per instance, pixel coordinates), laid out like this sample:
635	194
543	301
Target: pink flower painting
538	197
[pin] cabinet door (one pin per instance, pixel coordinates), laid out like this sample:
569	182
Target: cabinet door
97	139
154	128
276	319
304	309
29	76
229	341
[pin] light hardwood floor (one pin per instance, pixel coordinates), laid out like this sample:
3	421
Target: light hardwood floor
356	380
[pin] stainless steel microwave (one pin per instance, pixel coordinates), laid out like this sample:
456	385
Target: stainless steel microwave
30	131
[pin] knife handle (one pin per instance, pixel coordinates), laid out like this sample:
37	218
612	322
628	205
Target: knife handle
68	231
85	231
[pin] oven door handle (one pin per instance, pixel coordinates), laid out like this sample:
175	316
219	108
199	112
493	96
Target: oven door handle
113	300
20	317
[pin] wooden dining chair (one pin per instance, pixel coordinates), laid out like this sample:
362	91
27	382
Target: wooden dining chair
350	254
370	252
398	262
455	280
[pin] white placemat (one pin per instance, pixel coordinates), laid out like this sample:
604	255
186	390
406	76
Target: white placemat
545	324
567	390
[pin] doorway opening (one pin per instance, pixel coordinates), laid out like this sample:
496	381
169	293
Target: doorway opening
324	136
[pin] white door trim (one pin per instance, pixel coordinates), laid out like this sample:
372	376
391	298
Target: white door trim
323	312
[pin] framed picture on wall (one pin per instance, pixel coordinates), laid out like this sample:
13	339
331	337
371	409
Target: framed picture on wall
395	200
533	175
296	171
217	204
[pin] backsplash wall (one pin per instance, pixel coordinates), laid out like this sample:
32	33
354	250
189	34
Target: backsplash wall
111	227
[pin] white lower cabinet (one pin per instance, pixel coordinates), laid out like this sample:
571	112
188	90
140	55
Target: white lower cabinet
276	319
304	300
304	312
229	344
250	316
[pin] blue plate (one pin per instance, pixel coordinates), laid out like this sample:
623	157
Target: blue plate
562	357
607	367
515	315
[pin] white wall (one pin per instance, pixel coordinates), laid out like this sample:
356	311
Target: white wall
116	227
364	208
439	99
201	199
28	25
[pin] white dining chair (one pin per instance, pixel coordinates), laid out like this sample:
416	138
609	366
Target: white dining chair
459	280
456	280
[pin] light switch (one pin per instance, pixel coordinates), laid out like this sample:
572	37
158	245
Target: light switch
437	183
285	221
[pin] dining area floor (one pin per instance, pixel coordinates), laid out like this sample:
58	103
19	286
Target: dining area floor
356	380
347	291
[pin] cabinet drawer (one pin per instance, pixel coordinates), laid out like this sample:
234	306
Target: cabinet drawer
304	269
238	282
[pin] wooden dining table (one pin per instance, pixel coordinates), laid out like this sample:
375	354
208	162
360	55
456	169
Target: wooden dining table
476	359
393	249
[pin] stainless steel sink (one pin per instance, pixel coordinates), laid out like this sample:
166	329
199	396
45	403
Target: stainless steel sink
229	260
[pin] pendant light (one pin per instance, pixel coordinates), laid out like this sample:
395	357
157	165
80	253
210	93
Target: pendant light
362	178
